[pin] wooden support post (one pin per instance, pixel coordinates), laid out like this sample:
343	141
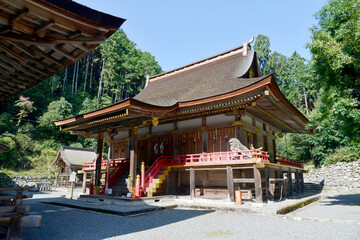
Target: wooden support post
133	147
267	183
176	139
147	162
84	182
289	177
178	182
297	183
302	185
230	183
99	150
258	188
132	170
192	183
242	175
204	136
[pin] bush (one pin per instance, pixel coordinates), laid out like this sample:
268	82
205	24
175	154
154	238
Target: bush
343	154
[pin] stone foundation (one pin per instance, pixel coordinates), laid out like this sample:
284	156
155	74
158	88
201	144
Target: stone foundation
340	177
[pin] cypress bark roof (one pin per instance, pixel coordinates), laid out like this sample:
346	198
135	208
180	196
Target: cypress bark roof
74	156
202	79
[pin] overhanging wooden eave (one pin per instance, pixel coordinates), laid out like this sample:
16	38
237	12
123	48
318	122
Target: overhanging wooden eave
39	38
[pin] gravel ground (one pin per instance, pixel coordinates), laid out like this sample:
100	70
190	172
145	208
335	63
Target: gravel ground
328	219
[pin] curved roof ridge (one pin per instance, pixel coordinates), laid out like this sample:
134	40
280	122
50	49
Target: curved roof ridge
196	64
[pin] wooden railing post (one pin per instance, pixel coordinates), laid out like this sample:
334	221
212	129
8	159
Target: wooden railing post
258	188
230	183
142	172
192	183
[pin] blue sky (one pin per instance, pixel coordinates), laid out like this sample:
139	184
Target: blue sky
181	32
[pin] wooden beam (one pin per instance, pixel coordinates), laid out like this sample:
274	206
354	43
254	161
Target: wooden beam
82	47
48	57
26	59
23	48
28	39
302	185
74	34
84	182
18	26
243	180
258	188
99	150
45	26
132	170
230	183
297	177
267	183
192	183
7	67
64	53
19	15
289	177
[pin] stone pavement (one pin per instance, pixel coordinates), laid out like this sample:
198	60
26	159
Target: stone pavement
333	217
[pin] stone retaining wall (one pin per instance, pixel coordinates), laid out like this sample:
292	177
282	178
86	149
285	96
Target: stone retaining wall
40	183
340	177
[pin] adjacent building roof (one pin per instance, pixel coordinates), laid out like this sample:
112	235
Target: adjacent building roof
227	82
39	38
4	148
74	156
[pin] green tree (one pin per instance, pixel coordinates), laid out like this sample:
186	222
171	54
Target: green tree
335	49
56	110
336	46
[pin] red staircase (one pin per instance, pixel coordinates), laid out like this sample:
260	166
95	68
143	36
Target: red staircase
117	167
200	160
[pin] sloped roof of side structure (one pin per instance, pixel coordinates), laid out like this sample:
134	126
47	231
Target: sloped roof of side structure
74	156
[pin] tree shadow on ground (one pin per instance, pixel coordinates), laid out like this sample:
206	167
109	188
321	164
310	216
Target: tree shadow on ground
352	199
60	222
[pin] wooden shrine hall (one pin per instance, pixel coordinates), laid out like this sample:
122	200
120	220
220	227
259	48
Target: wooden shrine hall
206	129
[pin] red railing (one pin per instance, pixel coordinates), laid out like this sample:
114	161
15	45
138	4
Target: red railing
204	159
117	167
113	164
288	161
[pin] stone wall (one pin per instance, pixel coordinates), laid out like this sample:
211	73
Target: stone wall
340	177
40	183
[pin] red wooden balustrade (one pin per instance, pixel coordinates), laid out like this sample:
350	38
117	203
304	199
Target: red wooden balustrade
288	161
203	159
117	167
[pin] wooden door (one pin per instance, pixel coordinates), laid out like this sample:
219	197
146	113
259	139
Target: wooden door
142	151
120	149
218	139
190	142
162	145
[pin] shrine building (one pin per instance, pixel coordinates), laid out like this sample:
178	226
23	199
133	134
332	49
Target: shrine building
182	124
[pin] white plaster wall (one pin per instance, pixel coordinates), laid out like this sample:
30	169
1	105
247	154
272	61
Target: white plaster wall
222	118
163	128
143	131
192	123
121	135
247	119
